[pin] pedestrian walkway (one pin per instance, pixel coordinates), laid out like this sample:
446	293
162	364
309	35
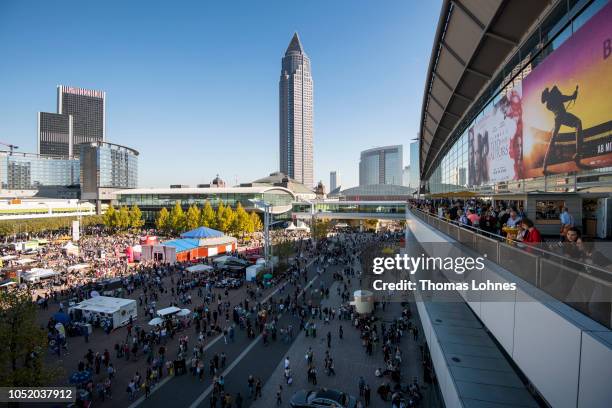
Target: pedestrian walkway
349	356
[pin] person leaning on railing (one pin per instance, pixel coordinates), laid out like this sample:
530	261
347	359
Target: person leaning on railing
488	221
529	233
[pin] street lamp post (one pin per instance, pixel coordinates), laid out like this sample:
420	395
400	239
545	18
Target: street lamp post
267	246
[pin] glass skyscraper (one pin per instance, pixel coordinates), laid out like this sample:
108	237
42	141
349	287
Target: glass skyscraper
295	114
381	165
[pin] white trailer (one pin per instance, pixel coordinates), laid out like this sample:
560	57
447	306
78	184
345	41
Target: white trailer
119	310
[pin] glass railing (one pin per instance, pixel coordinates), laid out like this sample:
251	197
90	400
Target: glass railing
564	271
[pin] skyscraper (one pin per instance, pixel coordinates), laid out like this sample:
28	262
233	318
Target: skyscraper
406	176
415	178
80	118
295	114
55	134
88	110
334	180
381	165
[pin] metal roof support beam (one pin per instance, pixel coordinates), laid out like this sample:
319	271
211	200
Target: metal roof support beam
468	13
446	84
437	122
429	130
453	53
433	98
463	97
450	88
451	114
485	28
478	73
501	39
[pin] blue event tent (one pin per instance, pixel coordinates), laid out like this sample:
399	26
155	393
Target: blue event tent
202	232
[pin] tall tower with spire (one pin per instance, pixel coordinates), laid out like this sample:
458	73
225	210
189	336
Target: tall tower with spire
295	114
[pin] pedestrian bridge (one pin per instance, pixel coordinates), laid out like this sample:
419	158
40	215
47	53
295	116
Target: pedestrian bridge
350	210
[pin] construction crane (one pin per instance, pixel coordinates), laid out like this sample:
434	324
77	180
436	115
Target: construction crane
10	146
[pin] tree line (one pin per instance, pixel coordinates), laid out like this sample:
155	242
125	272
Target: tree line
40	225
236	222
123	219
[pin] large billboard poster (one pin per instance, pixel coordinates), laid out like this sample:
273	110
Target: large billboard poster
494	142
567	103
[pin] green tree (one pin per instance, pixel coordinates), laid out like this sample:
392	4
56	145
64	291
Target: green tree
371	225
162	221
24	342
284	250
321	228
225	218
240	225
177	218
110	217
208	216
123	218
255	224
136	220
192	217
219	216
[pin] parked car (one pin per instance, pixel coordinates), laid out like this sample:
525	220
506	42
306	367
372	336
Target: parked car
322	397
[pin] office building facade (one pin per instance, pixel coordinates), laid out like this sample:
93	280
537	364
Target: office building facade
415	179
295	114
28	171
106	167
406	176
80	118
334	180
381	165
55	134
88	109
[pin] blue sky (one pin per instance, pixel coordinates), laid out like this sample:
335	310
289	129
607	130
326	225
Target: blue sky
194	85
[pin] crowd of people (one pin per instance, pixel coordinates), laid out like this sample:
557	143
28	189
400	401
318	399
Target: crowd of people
511	224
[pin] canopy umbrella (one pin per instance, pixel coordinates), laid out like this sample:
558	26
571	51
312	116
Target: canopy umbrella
156	321
184	312
61	318
268	276
80	377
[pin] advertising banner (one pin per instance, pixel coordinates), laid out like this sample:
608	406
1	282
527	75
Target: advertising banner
494	142
567	103
76	229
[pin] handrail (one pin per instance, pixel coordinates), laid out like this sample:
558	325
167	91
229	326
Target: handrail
502	239
601	311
